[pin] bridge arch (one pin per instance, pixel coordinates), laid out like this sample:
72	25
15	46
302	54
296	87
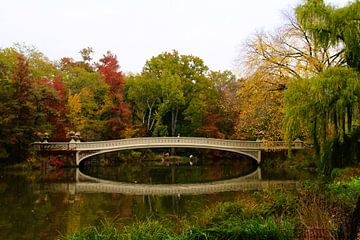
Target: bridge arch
253	154
88	149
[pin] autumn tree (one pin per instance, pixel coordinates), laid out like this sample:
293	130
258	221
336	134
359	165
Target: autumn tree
33	102
291	52
88	99
260	108
49	94
118	118
271	60
222	105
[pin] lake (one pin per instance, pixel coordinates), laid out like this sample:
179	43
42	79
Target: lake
48	205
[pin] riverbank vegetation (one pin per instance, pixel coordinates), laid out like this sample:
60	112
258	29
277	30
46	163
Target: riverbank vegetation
322	209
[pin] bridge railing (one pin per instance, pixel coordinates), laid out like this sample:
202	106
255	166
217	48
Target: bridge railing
169	141
166	142
50	146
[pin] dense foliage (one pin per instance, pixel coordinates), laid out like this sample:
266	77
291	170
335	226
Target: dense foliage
325	107
175	94
331	26
40	96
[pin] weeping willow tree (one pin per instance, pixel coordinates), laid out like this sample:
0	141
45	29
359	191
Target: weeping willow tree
330	26
325	109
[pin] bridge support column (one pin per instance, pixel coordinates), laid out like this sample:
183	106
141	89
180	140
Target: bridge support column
77	158
259	157
259	173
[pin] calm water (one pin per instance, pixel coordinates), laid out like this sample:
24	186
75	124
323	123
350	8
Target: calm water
37	205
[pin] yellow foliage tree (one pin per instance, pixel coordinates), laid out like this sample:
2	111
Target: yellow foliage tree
271	60
74	115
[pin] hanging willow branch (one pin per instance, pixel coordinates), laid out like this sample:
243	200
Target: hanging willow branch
323	107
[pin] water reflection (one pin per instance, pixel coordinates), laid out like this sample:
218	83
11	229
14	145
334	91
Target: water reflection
38	205
151	172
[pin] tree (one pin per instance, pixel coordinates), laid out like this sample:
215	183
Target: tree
118	118
270	62
87	89
143	94
260	107
50	100
330	26
326	106
181	93
222	104
8	61
323	108
24	108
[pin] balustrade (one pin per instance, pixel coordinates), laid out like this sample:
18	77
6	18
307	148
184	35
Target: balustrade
166	142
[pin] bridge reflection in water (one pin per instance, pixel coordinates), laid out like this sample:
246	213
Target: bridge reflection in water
88	184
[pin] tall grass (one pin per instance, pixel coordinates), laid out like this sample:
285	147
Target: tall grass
225	221
106	231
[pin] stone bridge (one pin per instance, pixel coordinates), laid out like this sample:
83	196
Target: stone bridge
85	150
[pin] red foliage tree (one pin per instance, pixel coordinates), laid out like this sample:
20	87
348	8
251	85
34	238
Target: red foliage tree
210	127
53	100
115	79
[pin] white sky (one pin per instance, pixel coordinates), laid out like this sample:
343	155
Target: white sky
136	30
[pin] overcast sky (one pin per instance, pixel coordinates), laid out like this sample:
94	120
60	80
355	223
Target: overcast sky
136	30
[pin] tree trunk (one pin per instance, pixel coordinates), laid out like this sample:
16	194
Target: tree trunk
174	116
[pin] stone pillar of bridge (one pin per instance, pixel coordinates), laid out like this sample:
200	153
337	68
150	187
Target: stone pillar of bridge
259	157
298	143
77	158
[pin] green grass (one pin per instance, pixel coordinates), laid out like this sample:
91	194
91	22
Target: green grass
229	220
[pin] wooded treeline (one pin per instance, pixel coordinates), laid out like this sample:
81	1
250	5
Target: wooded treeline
174	94
301	81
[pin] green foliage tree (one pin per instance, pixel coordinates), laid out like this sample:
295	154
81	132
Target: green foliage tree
143	94
175	88
8	61
333	26
323	108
